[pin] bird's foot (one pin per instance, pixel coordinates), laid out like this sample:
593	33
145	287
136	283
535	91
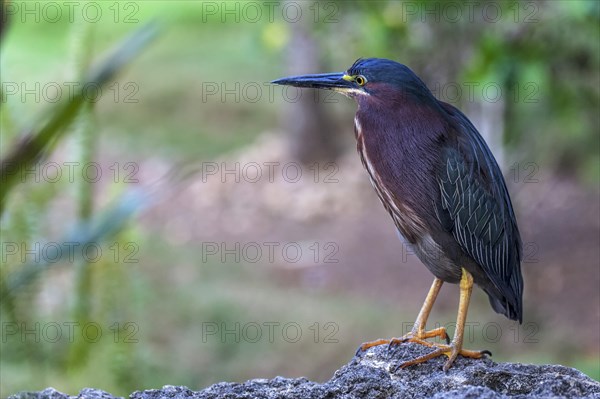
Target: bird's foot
451	351
416	336
419	337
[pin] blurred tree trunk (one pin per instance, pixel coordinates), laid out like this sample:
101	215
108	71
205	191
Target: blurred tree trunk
311	132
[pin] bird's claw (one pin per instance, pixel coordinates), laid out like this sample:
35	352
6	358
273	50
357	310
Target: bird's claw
451	351
418	337
366	345
396	341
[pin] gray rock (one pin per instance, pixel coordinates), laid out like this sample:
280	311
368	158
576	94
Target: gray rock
373	374
51	393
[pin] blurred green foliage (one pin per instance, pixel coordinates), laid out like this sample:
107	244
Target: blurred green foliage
553	45
23	229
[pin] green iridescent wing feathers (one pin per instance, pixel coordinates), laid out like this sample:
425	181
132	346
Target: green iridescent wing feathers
475	206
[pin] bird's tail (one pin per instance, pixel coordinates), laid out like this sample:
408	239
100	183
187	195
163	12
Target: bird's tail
513	311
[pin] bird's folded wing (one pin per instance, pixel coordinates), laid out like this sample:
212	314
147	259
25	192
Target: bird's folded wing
476	208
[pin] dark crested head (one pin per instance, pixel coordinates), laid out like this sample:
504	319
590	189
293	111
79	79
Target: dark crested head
367	76
384	71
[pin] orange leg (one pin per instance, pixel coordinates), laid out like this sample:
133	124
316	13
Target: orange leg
455	347
418	333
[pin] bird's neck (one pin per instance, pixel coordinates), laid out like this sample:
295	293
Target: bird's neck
404	120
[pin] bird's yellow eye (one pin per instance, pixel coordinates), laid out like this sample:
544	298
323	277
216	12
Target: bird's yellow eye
360	80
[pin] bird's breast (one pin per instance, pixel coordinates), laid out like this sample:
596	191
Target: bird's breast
404	217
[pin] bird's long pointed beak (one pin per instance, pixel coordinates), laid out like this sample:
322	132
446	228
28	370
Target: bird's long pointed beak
329	81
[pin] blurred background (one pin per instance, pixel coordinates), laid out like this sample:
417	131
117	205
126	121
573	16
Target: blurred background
188	223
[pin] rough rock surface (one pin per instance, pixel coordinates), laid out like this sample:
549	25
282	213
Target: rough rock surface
373	374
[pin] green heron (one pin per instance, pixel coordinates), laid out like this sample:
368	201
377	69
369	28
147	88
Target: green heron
440	183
